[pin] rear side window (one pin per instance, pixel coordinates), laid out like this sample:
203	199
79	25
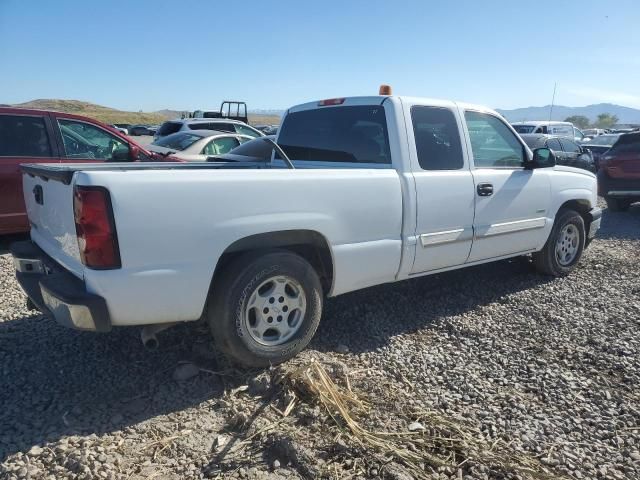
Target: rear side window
168	128
354	134
569	146
554	144
626	144
23	136
524	128
437	138
219	126
492	143
244	130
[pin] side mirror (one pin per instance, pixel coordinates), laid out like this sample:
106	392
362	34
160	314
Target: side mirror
134	153
543	158
120	154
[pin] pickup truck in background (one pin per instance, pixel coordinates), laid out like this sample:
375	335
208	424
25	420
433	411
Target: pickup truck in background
29	136
364	191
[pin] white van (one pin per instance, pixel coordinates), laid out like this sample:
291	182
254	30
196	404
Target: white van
561	129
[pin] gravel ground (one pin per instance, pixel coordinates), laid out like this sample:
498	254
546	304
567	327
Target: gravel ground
536	368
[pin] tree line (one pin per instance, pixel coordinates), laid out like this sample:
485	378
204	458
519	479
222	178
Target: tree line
604	120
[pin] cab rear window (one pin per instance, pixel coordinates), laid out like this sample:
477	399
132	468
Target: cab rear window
349	134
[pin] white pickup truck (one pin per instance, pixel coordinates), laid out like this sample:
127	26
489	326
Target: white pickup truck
382	189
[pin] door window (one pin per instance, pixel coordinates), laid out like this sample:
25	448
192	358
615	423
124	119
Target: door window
244	130
569	146
23	136
437	138
493	144
554	144
83	140
222	145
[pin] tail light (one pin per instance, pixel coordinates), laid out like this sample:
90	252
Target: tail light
95	228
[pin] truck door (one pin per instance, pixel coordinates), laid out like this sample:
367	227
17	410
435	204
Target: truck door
511	203
444	187
24	138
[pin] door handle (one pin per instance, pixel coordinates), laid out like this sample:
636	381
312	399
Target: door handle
485	189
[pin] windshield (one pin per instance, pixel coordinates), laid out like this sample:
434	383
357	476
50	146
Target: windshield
524	128
605	140
353	134
177	141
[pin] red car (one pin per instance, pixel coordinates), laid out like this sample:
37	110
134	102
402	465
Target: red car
619	174
39	136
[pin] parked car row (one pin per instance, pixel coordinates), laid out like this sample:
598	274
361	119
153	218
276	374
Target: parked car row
566	150
136	130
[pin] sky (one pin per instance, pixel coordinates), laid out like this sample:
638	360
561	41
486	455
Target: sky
149	55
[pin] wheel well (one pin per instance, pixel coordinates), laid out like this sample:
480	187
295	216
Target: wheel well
583	207
310	245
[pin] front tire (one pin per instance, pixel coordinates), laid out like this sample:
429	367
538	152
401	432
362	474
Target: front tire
617	204
564	246
265	307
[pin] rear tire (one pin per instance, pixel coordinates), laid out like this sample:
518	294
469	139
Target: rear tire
265	307
564	246
618	204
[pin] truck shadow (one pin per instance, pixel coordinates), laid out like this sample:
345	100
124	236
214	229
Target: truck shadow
367	320
57	382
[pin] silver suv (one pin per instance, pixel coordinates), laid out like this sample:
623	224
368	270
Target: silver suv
219	124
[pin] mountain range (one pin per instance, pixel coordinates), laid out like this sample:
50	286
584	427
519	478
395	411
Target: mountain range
560	112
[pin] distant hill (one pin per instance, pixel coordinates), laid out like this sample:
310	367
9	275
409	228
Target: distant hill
111	115
624	114
103	114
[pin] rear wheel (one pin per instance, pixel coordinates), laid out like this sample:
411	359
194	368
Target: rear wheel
564	246
265	308
617	204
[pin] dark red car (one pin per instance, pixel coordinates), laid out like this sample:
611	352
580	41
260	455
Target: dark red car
619	174
39	136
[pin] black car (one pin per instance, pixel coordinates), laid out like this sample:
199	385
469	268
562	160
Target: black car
566	151
135	130
599	145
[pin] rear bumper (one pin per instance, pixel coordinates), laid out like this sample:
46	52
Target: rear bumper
56	292
617	187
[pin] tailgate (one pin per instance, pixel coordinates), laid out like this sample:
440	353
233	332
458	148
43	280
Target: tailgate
49	202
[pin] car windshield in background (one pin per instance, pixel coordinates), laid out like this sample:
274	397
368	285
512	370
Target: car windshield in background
524	128
604	140
354	134
177	141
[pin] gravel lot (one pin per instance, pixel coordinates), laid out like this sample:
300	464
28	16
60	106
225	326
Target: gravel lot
546	370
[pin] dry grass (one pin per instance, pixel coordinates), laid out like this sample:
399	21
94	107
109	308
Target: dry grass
444	443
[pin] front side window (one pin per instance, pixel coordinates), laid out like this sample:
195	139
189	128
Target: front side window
222	145
569	146
83	140
437	138
352	134
492	143
244	130
23	136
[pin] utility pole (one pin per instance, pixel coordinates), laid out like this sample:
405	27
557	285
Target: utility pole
553	99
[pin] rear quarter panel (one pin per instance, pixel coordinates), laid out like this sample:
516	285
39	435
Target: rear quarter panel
174	225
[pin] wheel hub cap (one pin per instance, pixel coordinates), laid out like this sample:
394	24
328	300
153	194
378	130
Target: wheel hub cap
567	245
275	310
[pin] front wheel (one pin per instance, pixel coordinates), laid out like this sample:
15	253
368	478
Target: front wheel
564	246
265	308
